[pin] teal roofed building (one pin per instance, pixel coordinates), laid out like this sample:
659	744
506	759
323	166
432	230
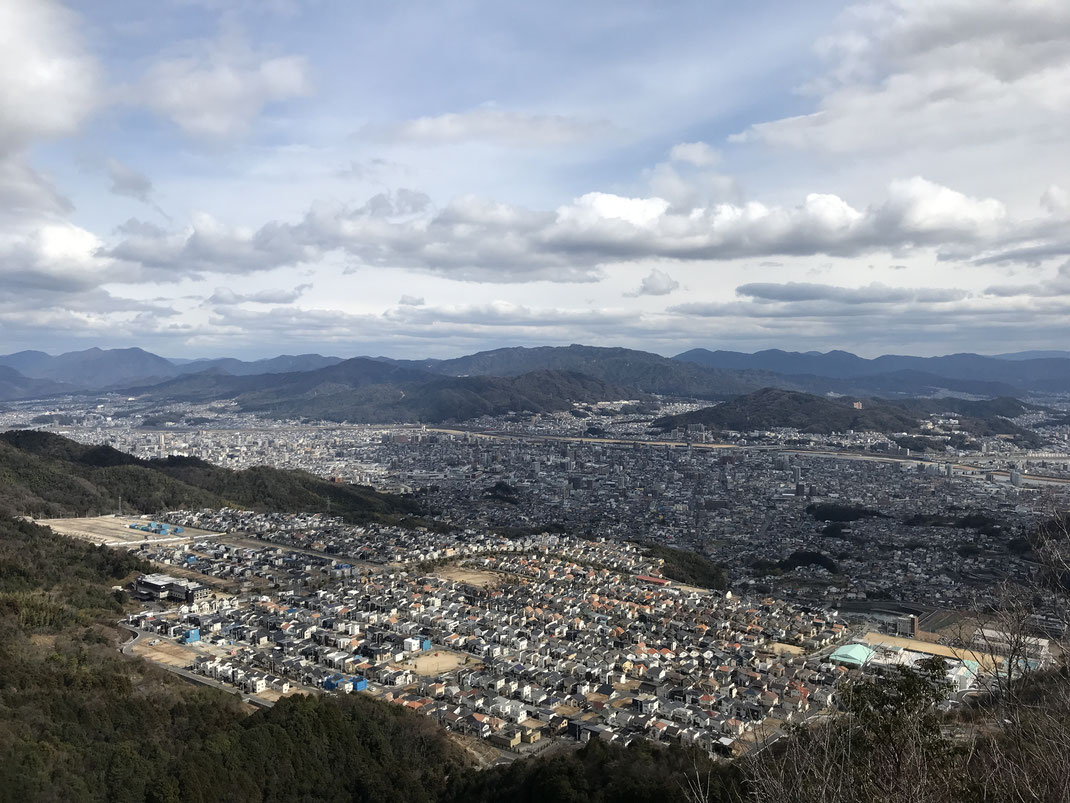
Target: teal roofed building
852	655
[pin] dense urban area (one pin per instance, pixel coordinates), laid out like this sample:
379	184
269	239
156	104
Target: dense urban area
580	575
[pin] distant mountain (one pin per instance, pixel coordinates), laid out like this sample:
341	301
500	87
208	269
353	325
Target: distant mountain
369	390
439	399
1034	355
773	408
92	368
46	474
14	385
95	369
284	364
646	372
1045	374
897	384
346	375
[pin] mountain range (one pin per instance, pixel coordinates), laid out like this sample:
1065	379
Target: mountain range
774	408
1040	374
540	379
103	368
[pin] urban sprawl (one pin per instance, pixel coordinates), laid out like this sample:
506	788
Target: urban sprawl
537	604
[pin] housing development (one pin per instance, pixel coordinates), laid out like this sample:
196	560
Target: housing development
542	600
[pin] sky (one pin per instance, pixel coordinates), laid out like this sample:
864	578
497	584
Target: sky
425	179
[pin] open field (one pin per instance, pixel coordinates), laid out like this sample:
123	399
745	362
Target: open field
166	652
435	662
115	531
461	574
786	649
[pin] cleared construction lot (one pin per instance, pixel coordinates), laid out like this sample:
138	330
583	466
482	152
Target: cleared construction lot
165	652
115	531
462	574
436	662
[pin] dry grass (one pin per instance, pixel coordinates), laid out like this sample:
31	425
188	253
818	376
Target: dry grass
166	652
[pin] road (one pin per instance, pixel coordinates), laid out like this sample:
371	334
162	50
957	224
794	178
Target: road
185	674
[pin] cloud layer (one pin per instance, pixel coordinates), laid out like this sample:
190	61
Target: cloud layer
200	176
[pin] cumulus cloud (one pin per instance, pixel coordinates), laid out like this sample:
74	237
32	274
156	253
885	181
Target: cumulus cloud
411	301
55	258
488	125
205	246
656	283
217	89
48	83
478	240
939	74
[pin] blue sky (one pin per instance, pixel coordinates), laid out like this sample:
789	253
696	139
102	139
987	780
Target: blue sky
205	177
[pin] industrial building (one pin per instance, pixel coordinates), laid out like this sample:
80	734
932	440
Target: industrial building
166	587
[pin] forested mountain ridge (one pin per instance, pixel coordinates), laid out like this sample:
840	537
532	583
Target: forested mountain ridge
773	408
1038	373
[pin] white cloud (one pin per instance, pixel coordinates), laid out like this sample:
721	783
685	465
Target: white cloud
936	74
48	84
656	283
205	246
488	125
1055	200
698	154
477	240
57	258
224	296
27	195
217	89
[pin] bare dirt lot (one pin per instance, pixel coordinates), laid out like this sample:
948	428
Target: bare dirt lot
435	662
114	530
462	574
166	652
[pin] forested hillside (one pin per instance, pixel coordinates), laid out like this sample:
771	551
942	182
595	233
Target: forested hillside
47	475
79	721
773	408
